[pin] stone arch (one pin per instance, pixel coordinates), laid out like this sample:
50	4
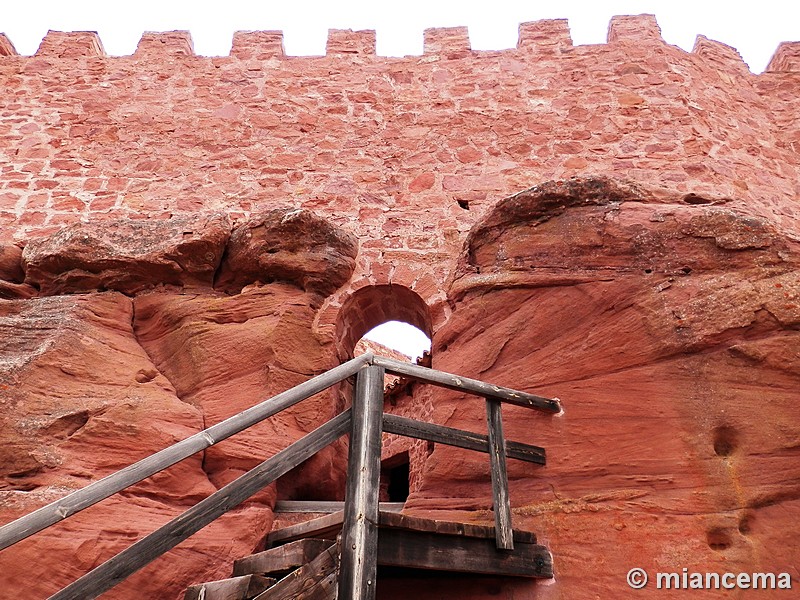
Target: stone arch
372	305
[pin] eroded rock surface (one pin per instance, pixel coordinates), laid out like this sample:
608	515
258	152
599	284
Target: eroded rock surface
291	245
670	330
128	255
224	354
80	399
669	326
11	273
92	382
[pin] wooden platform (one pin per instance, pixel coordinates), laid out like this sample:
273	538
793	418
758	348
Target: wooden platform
419	543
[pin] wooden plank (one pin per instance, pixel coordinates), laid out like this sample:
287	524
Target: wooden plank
281	559
425	550
497	461
314	581
456	437
359	567
465	384
324	590
130	560
330	525
67	506
323	527
410	523
326	506
236	588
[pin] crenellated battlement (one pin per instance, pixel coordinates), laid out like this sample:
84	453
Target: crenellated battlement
786	58
633	28
720	56
257	45
545	36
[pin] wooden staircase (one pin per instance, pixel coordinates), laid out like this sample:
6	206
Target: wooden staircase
302	569
304	560
348	568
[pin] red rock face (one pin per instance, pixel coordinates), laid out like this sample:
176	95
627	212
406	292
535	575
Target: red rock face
81	399
289	245
12	273
92	382
224	354
670	334
128	256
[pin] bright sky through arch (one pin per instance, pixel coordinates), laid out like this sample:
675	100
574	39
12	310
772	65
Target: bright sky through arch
402	337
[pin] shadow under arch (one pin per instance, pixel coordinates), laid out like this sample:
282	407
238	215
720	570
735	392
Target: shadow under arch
373	305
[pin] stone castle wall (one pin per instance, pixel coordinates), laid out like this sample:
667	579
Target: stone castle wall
405	152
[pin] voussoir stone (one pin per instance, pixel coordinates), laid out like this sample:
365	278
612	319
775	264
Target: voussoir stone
128	255
291	245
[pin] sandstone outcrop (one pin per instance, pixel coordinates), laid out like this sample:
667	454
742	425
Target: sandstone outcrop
12	274
93	380
670	332
127	255
80	400
226	353
292	245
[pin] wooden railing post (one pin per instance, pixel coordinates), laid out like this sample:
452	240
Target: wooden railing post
359	558
504	535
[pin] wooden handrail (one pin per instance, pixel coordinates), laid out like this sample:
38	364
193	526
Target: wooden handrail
431	432
470	386
149	548
77	501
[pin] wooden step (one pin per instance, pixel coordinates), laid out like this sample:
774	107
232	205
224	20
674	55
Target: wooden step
459	554
281	559
326	506
330	525
236	588
326	527
314	581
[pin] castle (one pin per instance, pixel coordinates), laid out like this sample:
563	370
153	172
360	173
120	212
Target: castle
616	225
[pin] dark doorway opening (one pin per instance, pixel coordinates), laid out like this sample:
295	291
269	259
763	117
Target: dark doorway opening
395	473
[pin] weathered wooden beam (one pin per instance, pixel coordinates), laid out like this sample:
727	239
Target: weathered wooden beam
130	560
426	550
465	384
457	437
329	526
497	461
236	588
281	559
359	546
67	506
